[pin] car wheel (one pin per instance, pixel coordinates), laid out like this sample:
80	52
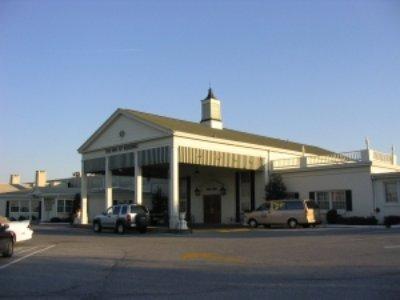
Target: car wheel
9	248
120	228
253	223
292	223
97	226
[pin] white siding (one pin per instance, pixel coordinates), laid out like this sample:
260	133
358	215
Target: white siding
358	180
134	131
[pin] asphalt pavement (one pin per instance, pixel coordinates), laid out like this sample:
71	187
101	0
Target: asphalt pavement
237	263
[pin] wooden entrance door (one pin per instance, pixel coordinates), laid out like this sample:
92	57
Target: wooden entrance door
212	209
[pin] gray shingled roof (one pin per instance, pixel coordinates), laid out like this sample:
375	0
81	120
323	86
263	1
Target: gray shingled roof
228	134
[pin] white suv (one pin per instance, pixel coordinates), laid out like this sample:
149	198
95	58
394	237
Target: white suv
122	217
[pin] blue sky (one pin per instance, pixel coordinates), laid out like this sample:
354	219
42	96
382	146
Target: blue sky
318	72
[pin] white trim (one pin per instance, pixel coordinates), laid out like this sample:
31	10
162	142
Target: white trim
238	144
110	121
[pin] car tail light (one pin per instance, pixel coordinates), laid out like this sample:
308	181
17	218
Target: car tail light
128	218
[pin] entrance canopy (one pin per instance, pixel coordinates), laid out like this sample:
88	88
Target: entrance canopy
203	157
186	155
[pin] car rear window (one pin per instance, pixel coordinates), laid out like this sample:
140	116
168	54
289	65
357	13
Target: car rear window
138	209
312	204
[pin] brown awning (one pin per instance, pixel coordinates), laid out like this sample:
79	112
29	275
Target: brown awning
95	165
122	161
154	156
195	156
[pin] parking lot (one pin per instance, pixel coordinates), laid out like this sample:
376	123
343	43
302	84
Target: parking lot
64	262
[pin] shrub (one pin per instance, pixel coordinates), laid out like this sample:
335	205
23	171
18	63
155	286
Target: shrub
357	220
332	216
66	220
22	218
391	220
55	220
275	189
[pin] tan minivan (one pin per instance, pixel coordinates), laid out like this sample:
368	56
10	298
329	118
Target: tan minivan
291	212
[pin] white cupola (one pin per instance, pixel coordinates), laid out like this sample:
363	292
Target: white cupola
211	111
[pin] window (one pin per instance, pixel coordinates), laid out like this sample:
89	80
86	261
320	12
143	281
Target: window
294	205
35	206
64	206
124	210
278	205
323	200
14	206
60	206
339	200
138	209
264	207
116	210
292	195
311	205
24	206
391	192
68	206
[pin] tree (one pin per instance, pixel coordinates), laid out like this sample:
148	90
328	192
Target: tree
275	189
76	206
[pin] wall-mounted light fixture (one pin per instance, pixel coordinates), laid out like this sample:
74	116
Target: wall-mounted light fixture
222	190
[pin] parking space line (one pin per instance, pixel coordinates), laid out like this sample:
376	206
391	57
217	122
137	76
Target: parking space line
26	256
23	250
392	247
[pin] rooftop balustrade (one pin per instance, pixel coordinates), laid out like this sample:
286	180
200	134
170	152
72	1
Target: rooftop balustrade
344	158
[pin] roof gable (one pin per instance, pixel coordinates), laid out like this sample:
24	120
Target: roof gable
122	128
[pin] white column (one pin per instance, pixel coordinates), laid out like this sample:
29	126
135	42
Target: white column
30	209
266	169
173	199
84	216
138	180
42	210
108	186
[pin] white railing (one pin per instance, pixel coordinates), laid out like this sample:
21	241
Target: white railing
352	157
333	159
288	163
383	157
310	161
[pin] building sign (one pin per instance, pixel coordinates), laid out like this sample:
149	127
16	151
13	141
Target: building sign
120	148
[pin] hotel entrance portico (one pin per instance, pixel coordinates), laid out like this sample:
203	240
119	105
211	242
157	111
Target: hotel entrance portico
201	183
222	172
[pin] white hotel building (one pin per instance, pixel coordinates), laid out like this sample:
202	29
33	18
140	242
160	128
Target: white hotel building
215	174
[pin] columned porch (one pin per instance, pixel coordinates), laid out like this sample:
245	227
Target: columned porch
209	186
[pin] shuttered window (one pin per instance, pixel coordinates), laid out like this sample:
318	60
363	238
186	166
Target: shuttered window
338	199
